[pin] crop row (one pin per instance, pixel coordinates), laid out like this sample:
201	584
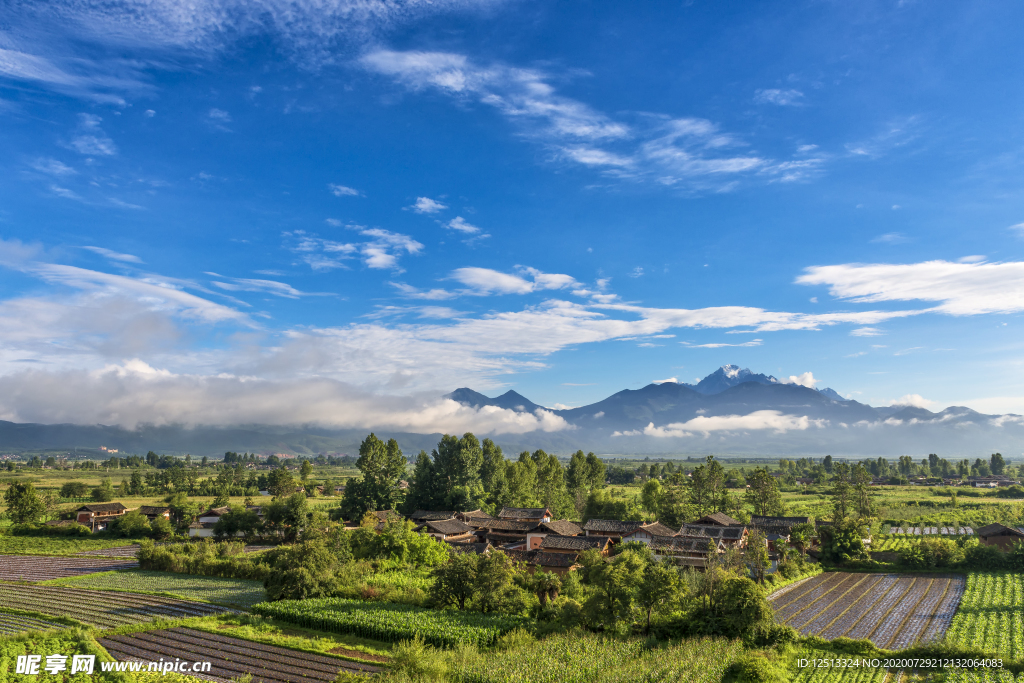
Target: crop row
392	622
99	608
892	611
17	623
39	568
235	592
991	614
231	657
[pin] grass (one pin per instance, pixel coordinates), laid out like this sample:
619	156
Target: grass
232	592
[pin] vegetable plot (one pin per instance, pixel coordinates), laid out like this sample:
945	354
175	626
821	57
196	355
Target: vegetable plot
16	623
991	614
231	658
894	611
392	622
39	568
105	609
235	592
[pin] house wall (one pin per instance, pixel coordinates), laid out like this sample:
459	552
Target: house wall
533	541
209	520
1003	542
200	533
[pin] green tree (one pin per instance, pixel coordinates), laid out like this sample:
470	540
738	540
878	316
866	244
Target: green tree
755	555
454	581
280	482
135	486
997	464
288	515
615	582
243	521
74	489
24	505
841	494
305	470
492	468
707	488
104	492
494	587
650	496
861	482
160	528
763	494
657	591
382	466
132	525
596	470
551	484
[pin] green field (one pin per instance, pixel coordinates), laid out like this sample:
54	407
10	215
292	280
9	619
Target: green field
991	614
233	592
56	545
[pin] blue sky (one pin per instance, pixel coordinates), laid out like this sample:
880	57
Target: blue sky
335	212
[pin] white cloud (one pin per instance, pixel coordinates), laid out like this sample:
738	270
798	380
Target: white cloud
719	345
133	392
460	224
415	293
866	332
150	113
113	255
805	379
382	251
52	167
782	98
914	400
219	115
673	380
891	238
253	285
427	205
958	288
94	145
760	420
65	192
482	281
684	152
1018	228
342	190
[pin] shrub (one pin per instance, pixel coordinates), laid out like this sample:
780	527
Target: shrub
414	660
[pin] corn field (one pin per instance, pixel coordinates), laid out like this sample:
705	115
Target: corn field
991	614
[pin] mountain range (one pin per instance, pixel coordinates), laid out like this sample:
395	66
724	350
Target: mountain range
731	411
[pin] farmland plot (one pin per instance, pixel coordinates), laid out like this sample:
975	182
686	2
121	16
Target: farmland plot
17	623
39	568
233	592
991	614
105	609
231	658
894	611
119	551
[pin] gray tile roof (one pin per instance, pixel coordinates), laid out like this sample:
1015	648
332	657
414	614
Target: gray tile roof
524	513
719	518
431	515
448	527
514	526
578	543
722	533
561	527
613	526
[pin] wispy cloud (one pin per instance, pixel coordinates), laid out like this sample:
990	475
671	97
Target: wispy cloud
783	98
891	238
894	135
866	332
113	255
958	288
91	140
52	167
411	292
65	192
281	289
752	342
484	281
381	251
459	223
427	205
342	190
686	152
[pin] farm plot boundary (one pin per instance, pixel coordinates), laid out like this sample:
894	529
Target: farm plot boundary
231	658
893	611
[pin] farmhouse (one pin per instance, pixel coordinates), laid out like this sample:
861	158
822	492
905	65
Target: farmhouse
688	551
525	514
576	544
718	519
504	532
1000	535
729	535
203	527
556	563
447	530
152	512
96	516
420	516
646	534
782	526
559	527
612	528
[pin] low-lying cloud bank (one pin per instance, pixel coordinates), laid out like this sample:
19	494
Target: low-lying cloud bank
134	393
759	420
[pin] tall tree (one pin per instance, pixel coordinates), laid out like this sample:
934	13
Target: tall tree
280	482
457	465
382	465
997	464
422	494
551	484
492	468
763	493
657	590
597	471
755	555
24	505
841	493
305	470
707	488
861	481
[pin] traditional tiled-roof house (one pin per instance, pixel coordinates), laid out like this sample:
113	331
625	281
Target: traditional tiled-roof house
730	535
474	548
556	563
152	512
447	530
1000	535
500	532
420	516
689	551
576	544
525	514
97	515
612	528
718	519
646	533
473	516
203	526
560	527
777	525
